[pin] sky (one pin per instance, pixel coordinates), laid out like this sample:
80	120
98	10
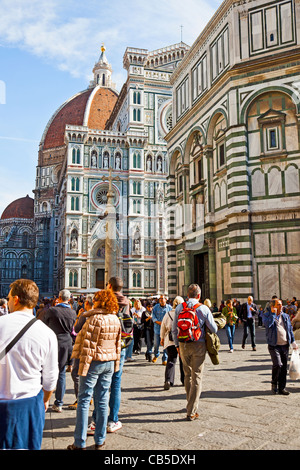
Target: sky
47	52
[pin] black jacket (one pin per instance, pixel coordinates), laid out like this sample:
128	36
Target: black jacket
244	311
60	319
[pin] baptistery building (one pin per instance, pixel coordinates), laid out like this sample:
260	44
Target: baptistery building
234	156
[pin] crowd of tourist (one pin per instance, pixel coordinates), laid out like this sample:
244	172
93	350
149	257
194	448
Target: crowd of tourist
85	335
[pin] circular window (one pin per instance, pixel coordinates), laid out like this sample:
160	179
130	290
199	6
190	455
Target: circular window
169	123
99	195
165	117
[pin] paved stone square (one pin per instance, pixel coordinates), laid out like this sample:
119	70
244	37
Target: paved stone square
237	409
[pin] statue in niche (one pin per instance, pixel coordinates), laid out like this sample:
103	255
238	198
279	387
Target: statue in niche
105	160
74	240
94	159
159	164
149	164
118	161
137	241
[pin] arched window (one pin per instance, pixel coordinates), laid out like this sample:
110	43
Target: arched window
137	279
136	97
134	114
74	203
24	271
76	156
136	160
75	184
25	239
136	206
73	279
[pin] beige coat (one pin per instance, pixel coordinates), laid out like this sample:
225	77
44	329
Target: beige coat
98	340
166	327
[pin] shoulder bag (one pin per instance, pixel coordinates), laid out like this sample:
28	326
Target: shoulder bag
17	337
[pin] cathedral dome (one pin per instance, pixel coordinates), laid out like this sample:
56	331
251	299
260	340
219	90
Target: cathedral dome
91	107
22	208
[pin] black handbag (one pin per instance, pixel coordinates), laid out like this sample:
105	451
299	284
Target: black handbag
170	332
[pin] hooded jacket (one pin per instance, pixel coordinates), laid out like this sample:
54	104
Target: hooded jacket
122	301
98	340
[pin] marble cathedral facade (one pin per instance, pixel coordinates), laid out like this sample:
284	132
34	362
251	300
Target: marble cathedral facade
72	178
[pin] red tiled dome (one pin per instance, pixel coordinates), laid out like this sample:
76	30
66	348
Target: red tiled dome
22	208
91	107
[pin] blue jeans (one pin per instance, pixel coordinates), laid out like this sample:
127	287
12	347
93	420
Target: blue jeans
115	391
149	341
60	387
156	347
129	350
96	383
230	329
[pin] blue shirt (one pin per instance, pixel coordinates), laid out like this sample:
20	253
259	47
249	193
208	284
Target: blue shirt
205	318
249	313
158	314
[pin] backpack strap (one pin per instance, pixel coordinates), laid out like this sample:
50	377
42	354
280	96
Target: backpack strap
17	337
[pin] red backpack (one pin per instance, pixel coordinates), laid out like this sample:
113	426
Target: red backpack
188	324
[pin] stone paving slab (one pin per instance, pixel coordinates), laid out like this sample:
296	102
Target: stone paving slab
237	409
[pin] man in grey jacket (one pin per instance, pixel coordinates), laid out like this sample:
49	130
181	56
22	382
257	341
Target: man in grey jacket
193	353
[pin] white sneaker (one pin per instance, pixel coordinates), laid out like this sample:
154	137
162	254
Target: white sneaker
112	427
231	350
91	429
57	408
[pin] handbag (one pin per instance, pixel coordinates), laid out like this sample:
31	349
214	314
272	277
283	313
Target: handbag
16	338
170	331
294	369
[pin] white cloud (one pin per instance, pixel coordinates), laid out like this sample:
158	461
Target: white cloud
68	34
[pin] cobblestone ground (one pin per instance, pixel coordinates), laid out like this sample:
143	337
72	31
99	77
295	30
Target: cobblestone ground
237	409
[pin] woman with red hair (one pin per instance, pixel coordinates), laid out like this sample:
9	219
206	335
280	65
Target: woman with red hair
98	348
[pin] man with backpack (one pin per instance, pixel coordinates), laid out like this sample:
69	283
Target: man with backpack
188	330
